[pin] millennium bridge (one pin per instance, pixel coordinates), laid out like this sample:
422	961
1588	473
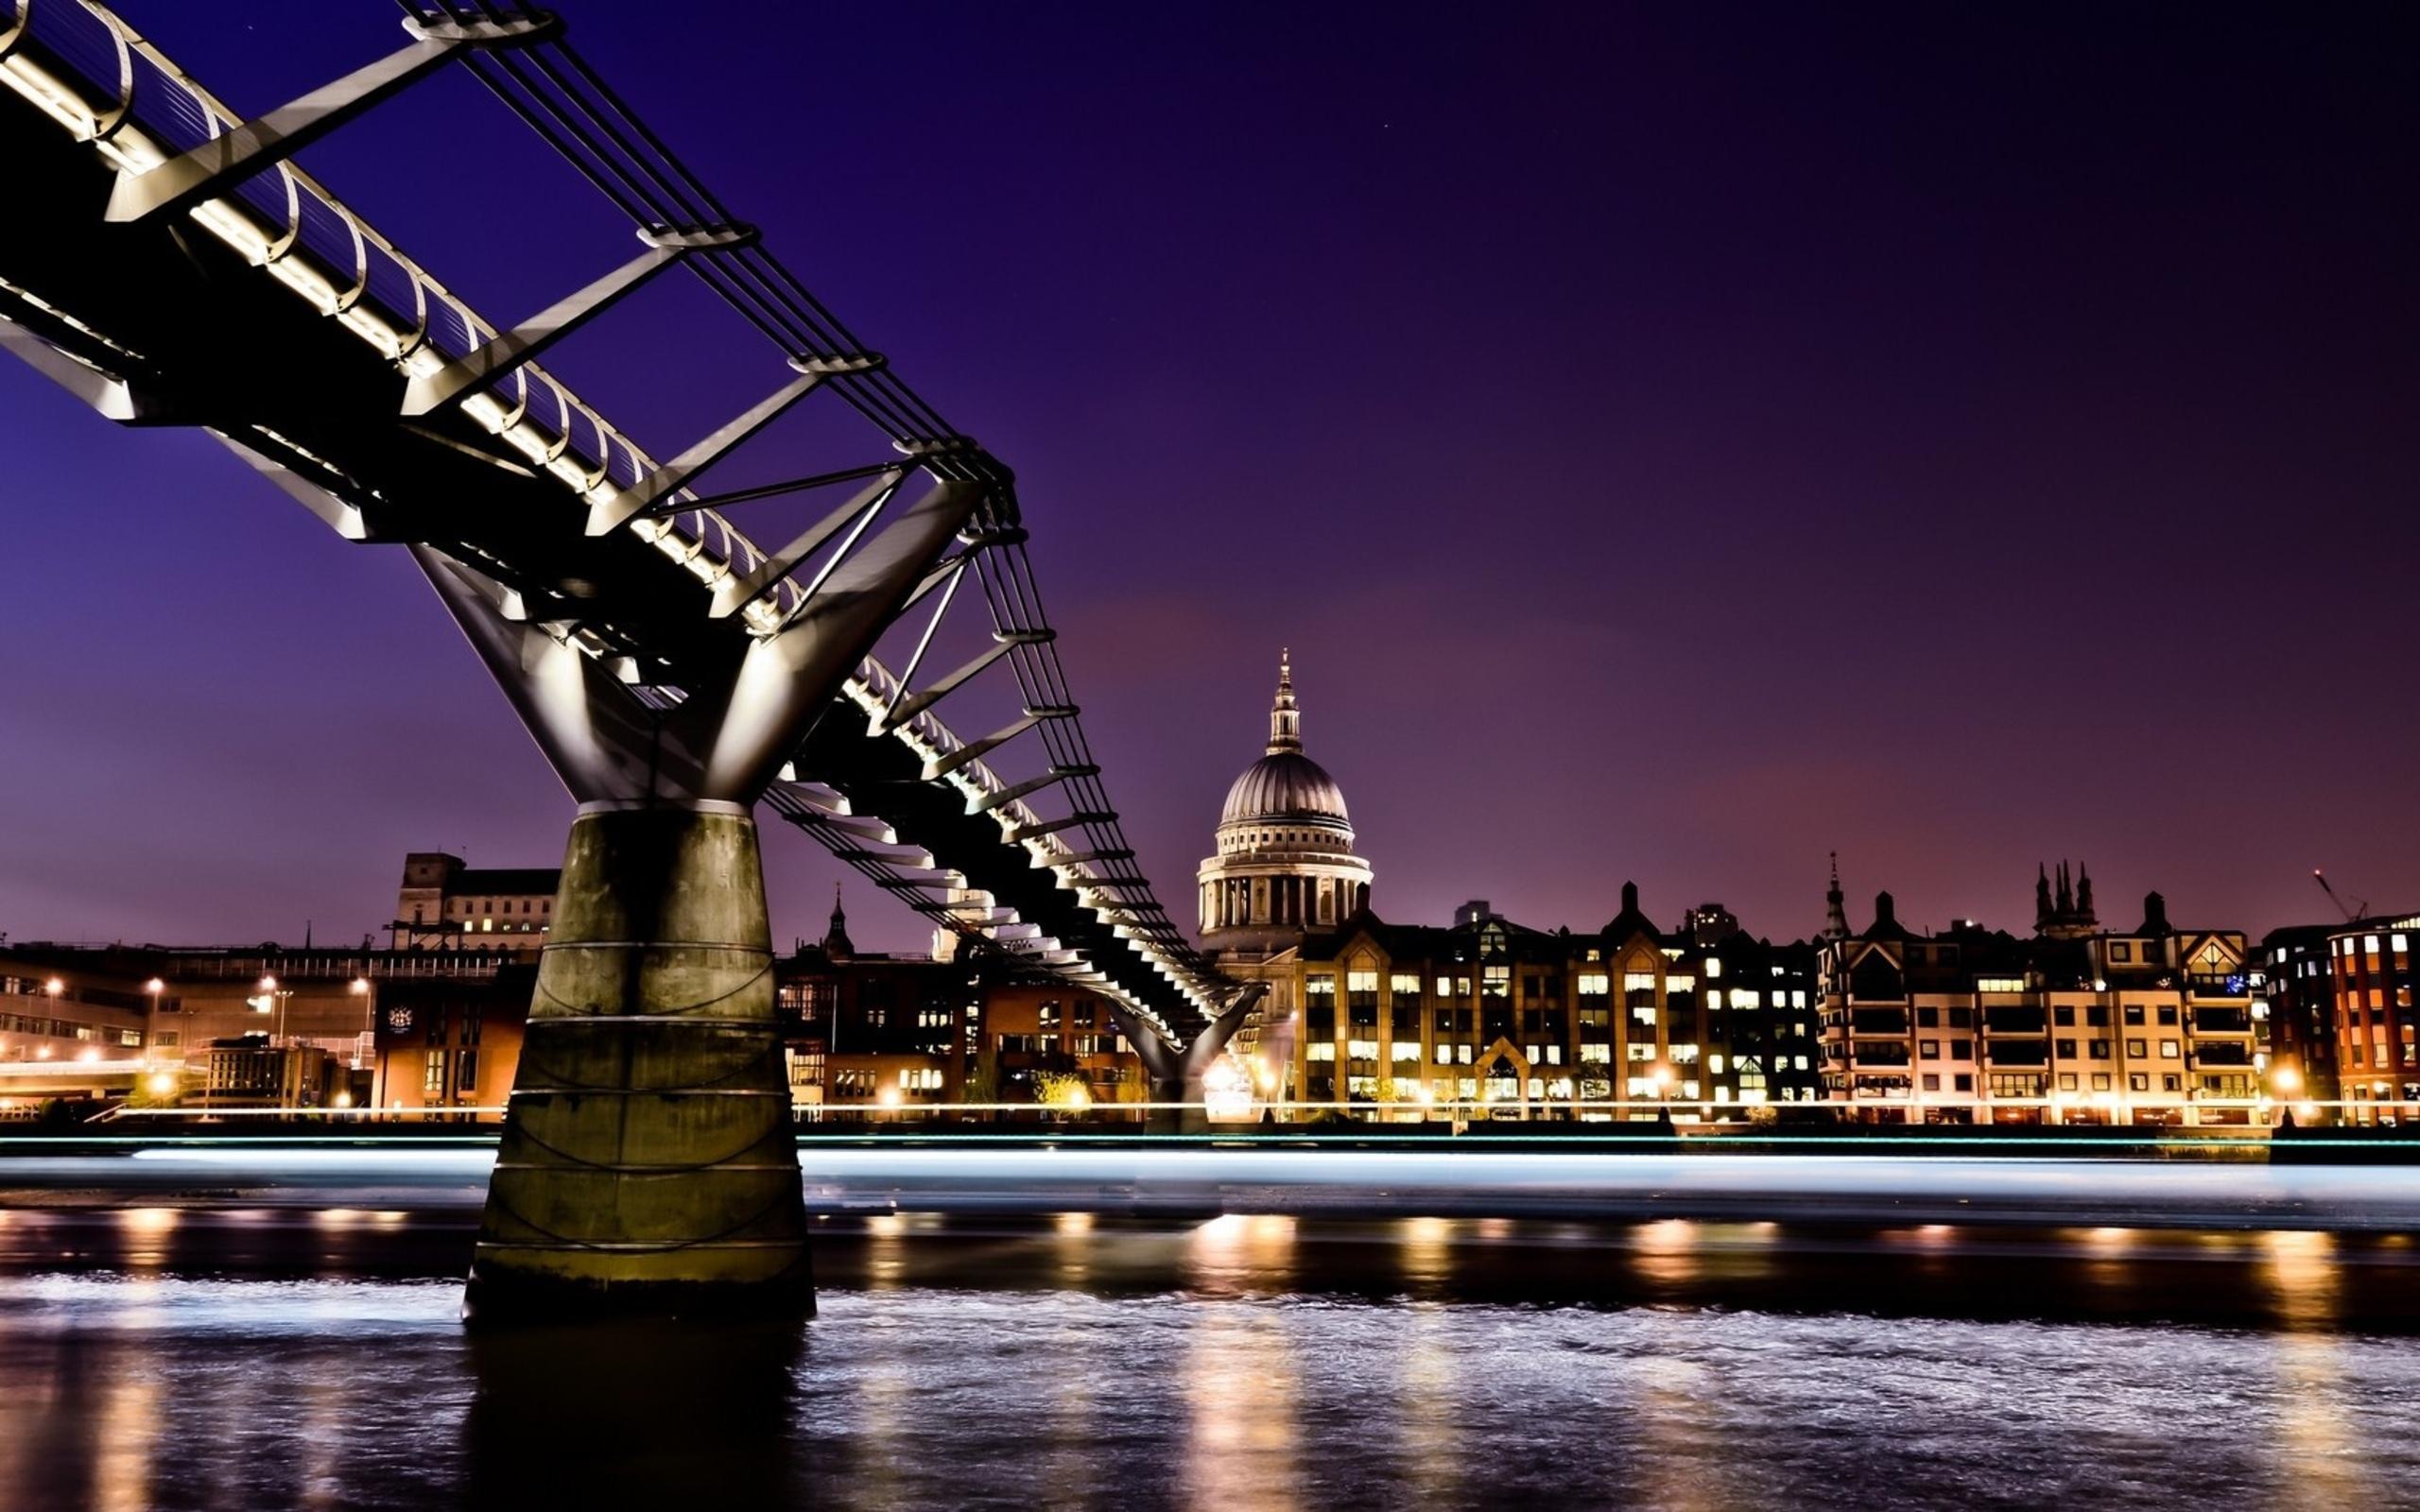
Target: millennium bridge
168	261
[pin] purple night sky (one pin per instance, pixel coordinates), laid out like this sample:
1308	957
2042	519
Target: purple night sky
1676	442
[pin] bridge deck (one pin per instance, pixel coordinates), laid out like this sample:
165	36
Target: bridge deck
282	322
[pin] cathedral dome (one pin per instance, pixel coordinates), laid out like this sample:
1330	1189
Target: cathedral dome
1285	861
1286	786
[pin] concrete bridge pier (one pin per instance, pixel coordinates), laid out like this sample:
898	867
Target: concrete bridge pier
648	1160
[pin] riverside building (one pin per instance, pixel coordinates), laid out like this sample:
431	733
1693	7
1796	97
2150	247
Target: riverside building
259	1027
864	1032
1495	1020
2377	1033
447	906
2295	973
2077	1024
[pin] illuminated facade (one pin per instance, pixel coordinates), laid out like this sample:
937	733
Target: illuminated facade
2377	1033
1490	1018
2076	1025
1284	864
2295	973
864	1031
259	1026
444	905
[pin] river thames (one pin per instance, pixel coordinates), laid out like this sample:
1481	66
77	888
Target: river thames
236	1357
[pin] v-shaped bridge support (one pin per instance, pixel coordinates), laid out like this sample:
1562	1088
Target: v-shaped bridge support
1177	1072
647	1158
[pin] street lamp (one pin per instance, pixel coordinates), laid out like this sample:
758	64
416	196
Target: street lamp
2287	1080
151	1031
273	1000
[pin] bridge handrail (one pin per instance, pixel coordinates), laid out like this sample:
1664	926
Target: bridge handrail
152	125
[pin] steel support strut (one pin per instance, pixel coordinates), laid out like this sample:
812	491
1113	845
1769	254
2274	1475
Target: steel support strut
1178	1072
648	1162
609	515
527	340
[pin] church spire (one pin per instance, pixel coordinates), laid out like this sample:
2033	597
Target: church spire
836	939
1284	720
1836	914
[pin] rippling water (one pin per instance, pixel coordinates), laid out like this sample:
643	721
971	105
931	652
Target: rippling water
1222	1365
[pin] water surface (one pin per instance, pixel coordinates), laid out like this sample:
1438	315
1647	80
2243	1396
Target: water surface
1239	1362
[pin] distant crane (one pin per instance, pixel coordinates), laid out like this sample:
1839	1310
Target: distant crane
2354	913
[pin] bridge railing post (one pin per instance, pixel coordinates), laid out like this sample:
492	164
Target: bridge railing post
211	169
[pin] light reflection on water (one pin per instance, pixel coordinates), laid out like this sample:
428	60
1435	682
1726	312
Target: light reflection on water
1042	1371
